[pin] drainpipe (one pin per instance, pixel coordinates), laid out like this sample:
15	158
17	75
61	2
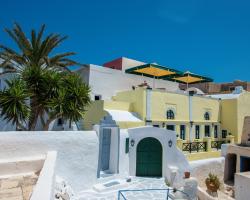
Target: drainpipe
148	106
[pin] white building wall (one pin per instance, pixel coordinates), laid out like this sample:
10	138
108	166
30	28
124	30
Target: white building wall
173	158
77	153
129	63
107	82
124	157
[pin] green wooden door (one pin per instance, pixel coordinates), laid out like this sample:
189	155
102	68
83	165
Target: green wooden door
149	158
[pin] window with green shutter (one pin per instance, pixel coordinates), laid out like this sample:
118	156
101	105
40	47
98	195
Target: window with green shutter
127	145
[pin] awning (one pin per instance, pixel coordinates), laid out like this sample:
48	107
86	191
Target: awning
153	70
190	78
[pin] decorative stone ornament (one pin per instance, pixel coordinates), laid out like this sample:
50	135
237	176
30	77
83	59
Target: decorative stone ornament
170	143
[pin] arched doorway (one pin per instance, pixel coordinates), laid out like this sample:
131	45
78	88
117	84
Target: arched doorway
149	158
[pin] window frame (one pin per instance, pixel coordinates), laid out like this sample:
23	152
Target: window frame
207	116
170	114
197	134
183	134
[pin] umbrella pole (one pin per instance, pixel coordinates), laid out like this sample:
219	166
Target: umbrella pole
154	83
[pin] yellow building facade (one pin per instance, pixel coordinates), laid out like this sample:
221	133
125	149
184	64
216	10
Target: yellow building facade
193	117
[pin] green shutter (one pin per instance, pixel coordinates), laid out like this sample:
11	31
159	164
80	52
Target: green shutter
127	145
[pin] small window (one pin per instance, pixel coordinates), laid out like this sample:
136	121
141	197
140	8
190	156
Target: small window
98	97
207	131
183	132
127	145
224	133
215	131
170	127
170	114
197	132
60	122
206	116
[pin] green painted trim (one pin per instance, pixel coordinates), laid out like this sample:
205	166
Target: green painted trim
127	145
167	77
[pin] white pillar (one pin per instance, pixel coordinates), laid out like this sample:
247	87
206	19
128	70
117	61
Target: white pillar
190	106
148	106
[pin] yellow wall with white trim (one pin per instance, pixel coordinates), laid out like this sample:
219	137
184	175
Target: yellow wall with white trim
203	104
94	113
229	116
243	111
137	98
118	105
161	100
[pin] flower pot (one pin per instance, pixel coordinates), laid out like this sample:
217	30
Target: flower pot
186	174
211	187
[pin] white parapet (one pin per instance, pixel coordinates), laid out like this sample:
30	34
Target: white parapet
44	189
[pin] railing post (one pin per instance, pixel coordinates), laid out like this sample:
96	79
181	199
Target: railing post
190	147
208	141
179	143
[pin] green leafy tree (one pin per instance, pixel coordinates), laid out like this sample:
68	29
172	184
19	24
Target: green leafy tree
13	103
45	78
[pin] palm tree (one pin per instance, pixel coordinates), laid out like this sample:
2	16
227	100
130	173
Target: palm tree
13	102
41	72
70	100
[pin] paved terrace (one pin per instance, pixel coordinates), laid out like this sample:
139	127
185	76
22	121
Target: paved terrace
137	183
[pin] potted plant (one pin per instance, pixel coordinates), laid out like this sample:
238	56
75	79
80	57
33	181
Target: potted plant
212	182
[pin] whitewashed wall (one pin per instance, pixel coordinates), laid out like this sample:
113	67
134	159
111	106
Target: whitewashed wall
173	158
77	153
201	168
107	82
124	157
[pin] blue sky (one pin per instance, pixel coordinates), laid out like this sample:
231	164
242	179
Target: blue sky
208	37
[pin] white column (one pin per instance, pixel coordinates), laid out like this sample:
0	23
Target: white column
190	106
148	106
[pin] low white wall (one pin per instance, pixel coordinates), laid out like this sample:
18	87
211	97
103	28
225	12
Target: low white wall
242	186
77	152
201	168
12	166
44	188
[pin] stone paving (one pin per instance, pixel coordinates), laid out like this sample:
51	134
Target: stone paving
137	183
17	187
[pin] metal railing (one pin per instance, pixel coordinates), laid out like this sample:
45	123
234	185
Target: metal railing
168	194
217	144
194	146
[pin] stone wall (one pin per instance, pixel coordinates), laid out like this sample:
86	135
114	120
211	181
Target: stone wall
17	187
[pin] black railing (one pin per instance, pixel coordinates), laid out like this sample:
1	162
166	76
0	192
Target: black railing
194	146
217	144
